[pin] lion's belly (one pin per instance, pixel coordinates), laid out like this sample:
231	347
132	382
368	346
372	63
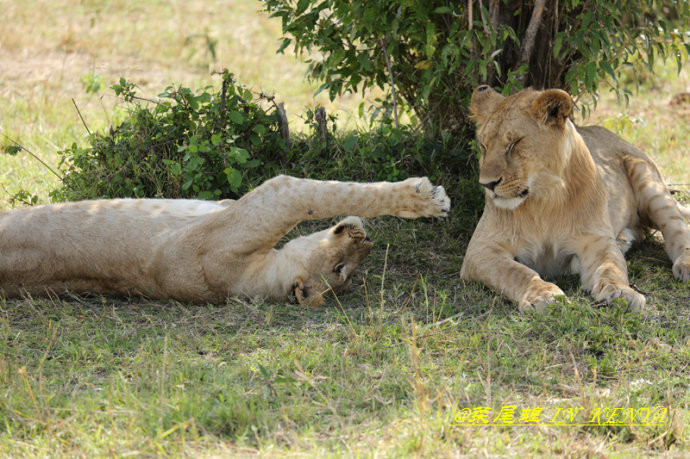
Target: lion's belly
549	259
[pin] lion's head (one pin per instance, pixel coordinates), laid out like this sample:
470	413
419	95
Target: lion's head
524	142
333	255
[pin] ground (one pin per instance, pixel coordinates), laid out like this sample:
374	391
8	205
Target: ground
381	370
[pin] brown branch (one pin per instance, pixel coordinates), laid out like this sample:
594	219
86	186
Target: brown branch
481	14
81	117
494	9
530	36
320	117
390	74
284	129
469	14
34	156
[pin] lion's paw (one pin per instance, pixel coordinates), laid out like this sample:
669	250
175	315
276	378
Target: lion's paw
435	201
537	300
608	294
681	267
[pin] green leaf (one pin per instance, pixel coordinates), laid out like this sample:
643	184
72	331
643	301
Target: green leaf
234	178
240	155
557	44
215	140
591	74
608	69
236	117
264	372
442	10
349	143
301	7
11	150
285	44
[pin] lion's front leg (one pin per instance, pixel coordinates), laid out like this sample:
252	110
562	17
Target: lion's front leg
603	271
296	199
497	268
271	210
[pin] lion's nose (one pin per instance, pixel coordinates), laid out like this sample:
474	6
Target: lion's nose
490	185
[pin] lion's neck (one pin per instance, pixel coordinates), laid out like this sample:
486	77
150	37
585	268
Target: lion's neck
582	181
276	272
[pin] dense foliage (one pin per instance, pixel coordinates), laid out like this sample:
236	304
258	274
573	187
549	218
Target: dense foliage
187	144
435	51
214	144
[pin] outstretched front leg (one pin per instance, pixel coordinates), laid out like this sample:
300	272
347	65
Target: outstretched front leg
271	210
494	265
603	270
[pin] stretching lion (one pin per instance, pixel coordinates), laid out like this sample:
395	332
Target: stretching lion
203	251
563	198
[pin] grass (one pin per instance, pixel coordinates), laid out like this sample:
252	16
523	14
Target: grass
383	369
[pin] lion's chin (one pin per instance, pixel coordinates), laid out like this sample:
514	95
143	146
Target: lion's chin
508	203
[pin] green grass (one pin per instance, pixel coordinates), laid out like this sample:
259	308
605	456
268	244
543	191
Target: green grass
383	369
378	369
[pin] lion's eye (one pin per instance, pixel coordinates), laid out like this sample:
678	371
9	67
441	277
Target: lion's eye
512	145
339	268
482	148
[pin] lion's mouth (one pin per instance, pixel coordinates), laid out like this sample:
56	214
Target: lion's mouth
510	203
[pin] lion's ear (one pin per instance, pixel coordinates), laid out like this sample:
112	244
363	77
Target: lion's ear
552	107
483	102
350	226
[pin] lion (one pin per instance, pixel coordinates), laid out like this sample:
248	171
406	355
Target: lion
561	198
203	251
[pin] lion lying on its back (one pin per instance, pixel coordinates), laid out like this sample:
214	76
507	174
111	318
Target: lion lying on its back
562	198
204	251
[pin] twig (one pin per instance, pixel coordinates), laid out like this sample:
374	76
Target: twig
284	129
481	14
469	14
81	117
223	89
35	157
320	117
493	14
390	74
530	36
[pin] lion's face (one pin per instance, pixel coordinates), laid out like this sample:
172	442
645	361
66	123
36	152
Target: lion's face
523	143
344	249
334	255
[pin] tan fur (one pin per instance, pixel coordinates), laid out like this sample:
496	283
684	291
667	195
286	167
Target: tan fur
563	198
203	251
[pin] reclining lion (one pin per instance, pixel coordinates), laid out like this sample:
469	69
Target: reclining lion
563	198
204	251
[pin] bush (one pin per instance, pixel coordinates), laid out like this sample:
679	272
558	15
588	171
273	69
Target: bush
187	144
435	51
216	145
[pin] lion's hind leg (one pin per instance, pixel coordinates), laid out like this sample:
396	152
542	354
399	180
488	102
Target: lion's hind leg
663	211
